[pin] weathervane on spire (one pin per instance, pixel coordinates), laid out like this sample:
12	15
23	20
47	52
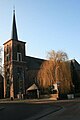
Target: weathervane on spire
14	9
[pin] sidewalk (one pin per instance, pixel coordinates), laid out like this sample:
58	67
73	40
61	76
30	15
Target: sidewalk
27	100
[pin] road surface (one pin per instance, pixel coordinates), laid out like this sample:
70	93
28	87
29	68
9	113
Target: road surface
25	111
21	111
70	111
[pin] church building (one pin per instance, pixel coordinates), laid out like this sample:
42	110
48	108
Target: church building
20	71
16	65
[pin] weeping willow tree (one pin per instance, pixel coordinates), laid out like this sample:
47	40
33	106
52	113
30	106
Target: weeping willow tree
55	70
64	77
46	74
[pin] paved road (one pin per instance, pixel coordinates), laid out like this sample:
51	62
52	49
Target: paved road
22	111
70	111
41	111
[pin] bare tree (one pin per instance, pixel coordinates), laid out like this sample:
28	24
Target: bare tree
57	56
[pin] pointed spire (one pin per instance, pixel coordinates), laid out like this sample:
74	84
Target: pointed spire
14	28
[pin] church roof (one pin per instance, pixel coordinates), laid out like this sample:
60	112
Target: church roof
32	87
33	63
14	28
75	64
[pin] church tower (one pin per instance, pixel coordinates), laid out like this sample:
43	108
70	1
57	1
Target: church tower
14	65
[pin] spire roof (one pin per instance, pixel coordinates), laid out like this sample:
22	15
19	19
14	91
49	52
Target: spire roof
14	28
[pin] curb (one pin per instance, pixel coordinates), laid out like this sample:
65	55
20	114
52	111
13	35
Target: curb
29	101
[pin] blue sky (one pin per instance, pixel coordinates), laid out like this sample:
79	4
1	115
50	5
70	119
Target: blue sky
44	25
